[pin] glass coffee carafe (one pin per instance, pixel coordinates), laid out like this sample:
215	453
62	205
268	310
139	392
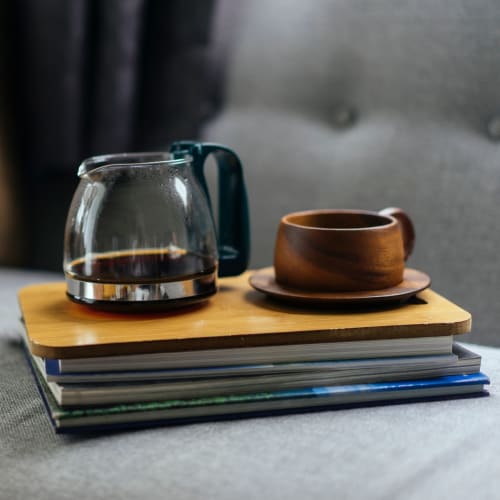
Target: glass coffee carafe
140	233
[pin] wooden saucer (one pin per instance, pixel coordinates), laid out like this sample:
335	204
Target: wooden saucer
413	282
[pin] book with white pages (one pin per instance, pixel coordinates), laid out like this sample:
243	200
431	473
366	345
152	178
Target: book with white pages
463	361
51	372
177	411
361	349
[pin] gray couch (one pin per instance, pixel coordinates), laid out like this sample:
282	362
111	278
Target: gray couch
355	103
368	104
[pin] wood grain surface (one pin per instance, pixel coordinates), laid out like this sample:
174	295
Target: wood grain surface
237	316
340	250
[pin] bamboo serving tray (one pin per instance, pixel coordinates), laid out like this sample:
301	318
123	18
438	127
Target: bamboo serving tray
237	316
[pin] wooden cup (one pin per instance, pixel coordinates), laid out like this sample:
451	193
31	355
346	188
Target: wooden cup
343	250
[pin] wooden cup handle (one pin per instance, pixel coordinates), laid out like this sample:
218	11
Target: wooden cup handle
406	226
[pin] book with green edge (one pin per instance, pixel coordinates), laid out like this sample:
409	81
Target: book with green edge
177	411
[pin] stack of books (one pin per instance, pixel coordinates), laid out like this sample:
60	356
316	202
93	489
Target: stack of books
239	355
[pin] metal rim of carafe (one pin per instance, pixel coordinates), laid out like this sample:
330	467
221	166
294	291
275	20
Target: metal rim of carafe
89	291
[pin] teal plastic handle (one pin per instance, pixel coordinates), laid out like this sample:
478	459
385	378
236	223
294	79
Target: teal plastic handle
234	226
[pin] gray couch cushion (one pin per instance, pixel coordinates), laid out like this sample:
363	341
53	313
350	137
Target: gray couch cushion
445	449
373	104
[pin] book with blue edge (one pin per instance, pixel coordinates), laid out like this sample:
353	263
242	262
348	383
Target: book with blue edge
87	389
177	411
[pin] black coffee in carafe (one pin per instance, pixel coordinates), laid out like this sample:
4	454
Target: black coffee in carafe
142	280
144	266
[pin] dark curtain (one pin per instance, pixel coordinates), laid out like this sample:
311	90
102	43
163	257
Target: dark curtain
99	76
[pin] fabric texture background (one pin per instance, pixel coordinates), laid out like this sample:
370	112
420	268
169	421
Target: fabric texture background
95	77
91	77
